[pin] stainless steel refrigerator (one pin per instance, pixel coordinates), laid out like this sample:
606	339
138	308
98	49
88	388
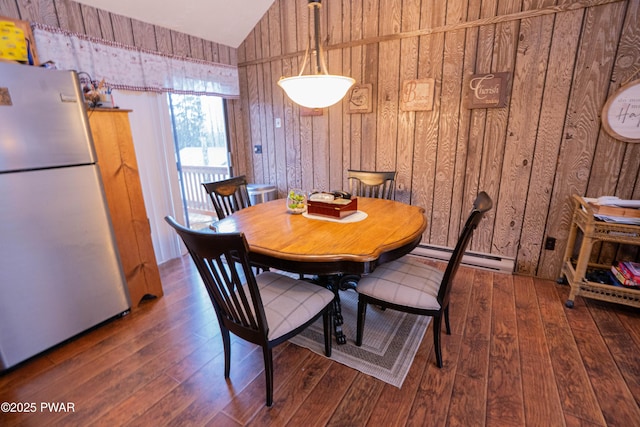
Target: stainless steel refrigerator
60	273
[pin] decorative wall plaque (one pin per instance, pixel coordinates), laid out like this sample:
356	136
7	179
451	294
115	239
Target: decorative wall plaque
417	95
621	113
360	99
487	90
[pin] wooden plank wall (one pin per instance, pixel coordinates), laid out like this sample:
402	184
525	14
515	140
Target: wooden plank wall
83	19
566	58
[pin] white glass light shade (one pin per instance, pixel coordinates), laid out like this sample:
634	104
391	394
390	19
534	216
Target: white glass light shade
316	90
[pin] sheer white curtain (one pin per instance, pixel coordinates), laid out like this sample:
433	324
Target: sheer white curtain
130	68
153	141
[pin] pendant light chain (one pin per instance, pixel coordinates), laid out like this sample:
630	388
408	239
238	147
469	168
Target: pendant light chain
320	67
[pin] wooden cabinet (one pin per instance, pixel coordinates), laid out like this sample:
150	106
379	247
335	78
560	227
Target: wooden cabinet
593	231
111	132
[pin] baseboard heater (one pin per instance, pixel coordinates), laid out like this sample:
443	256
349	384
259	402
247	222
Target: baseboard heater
471	259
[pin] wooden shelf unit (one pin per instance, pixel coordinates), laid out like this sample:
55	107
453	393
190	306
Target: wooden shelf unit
593	231
113	143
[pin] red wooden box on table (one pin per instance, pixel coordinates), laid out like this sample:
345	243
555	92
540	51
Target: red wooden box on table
333	208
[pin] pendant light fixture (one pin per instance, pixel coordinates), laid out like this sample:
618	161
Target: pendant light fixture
320	89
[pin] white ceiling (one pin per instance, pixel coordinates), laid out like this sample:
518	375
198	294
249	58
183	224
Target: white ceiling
226	22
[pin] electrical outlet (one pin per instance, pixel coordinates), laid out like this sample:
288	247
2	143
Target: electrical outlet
550	243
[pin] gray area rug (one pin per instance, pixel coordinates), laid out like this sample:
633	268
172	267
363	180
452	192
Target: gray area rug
391	340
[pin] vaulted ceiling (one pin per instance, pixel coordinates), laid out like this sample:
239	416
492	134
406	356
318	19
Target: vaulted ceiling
226	22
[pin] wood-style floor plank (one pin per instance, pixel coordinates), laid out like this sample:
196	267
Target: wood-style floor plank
535	353
625	351
615	400
394	404
574	386
474	352
433	397
300	384
331	390
139	402
469	396
358	402
288	360
504	395
126	378
207	382
516	356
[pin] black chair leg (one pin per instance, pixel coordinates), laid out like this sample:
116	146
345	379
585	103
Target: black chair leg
437	325
362	313
268	373
226	344
446	320
327	320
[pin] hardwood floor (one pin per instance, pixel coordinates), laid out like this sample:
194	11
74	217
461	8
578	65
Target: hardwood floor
516	357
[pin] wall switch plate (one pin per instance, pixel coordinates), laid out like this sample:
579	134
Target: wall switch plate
278	122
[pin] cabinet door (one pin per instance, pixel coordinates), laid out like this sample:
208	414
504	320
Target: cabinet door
119	168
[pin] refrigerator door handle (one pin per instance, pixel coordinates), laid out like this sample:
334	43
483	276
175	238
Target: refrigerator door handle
68	98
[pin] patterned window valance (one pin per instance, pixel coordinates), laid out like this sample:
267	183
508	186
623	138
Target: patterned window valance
131	68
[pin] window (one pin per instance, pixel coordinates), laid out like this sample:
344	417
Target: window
202	151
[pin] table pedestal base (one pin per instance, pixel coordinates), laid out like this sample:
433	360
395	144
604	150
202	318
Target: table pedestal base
349	281
332	282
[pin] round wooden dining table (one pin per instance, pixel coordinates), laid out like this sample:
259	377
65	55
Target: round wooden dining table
306	244
334	251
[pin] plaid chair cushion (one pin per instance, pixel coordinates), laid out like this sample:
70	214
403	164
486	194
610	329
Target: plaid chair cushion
405	281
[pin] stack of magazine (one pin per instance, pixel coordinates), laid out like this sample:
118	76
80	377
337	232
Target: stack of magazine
614	209
626	274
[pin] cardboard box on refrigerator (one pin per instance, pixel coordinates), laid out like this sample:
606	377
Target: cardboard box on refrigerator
13	44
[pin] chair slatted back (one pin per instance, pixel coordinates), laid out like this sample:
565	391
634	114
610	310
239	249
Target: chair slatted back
379	185
223	264
229	195
481	205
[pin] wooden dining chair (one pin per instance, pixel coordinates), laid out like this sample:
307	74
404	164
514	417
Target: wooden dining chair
265	309
380	185
410	286
228	195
